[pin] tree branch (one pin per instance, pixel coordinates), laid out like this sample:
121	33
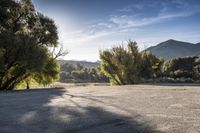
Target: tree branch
59	53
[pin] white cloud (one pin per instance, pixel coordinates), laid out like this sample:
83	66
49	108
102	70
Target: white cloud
121	26
121	23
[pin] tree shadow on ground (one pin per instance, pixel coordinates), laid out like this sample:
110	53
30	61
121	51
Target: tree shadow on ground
46	111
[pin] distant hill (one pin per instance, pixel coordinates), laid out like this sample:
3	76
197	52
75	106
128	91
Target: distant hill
83	63
172	48
198	44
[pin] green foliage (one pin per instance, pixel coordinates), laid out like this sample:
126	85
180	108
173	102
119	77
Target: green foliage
150	65
187	68
196	68
74	74
127	65
25	39
49	73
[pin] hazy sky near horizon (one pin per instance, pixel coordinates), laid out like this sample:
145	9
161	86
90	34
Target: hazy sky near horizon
87	26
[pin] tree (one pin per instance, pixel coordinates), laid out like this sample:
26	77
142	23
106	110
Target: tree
121	64
25	39
150	65
79	73
127	65
180	67
68	68
196	68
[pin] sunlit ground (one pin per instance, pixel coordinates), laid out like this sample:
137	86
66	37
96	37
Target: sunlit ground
97	109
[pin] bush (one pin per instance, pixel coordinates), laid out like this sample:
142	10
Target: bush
129	66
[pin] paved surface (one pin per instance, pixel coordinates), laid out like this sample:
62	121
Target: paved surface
116	109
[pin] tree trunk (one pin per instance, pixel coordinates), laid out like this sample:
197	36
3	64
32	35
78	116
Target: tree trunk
27	85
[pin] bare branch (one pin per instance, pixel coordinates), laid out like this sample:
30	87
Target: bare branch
59	53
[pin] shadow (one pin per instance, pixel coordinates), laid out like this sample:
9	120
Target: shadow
96	120
55	111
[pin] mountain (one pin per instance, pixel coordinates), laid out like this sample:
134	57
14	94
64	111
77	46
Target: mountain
172	48
83	63
198	44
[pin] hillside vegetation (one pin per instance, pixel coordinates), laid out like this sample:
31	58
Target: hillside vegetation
86	64
126	65
80	74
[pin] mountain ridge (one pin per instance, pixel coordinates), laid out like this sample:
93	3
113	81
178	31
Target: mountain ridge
172	48
168	49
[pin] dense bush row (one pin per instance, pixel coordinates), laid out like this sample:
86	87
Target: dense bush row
126	65
79	74
129	66
185	69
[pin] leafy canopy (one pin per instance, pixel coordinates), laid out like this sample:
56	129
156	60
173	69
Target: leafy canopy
25	39
127	65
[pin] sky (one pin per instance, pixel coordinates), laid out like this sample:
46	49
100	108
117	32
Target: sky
87	26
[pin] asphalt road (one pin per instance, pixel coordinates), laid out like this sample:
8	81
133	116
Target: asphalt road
102	109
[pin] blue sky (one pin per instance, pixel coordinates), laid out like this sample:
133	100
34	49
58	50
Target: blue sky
87	26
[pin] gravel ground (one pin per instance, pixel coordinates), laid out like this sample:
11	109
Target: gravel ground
102	109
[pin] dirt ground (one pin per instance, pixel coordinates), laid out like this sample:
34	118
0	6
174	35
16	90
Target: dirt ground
102	109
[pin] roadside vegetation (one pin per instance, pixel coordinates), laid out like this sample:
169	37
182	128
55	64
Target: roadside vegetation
123	65
28	40
185	69
126	65
79	74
